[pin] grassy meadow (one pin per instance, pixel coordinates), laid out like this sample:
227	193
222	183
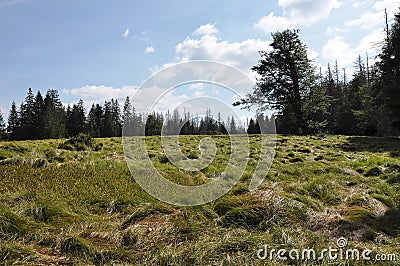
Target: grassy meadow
62	203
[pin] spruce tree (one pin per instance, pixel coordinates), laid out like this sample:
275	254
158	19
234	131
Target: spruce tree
76	119
95	118
2	127
387	86
127	116
54	116
116	118
286	75
39	121
107	121
13	122
27	117
251	129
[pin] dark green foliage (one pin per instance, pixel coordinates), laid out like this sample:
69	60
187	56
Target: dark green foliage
386	86
49	212
248	217
367	104
13	121
81	142
296	160
54	116
286	78
373	172
48	119
78	247
252	128
154	124
132	125
2	127
76	120
27	117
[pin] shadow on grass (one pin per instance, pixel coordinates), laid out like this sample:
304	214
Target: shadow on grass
373	144
388	223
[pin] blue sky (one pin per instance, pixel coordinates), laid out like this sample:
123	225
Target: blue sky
98	50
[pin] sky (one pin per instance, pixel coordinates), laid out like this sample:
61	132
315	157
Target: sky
96	50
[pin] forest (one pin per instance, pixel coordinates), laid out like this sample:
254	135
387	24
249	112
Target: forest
307	101
304	100
46	118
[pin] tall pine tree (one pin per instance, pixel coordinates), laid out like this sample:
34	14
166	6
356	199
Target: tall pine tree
76	119
13	121
2	127
27	117
54	116
387	86
286	75
94	120
38	114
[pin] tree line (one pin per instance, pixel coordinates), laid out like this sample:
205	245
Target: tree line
308	101
41	117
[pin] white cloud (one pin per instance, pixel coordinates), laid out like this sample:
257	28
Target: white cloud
371	20
311	54
392	6
4	112
371	41
337	48
308	11
101	92
159	99
242	55
332	31
149	50
367	20
208	29
126	33
297	13
357	3
272	23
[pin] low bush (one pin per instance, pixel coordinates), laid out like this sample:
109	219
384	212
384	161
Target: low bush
82	142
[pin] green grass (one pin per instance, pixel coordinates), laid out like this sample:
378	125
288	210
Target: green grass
74	205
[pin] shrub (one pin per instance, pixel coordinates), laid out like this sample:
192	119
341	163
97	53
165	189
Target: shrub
373	172
82	142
